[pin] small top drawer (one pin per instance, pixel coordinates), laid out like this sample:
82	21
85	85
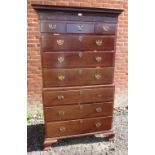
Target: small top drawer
80	28
55	27
105	28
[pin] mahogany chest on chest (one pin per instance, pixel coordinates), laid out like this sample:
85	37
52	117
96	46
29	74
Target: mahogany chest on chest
78	55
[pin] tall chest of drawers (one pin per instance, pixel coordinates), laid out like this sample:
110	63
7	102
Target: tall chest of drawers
78	55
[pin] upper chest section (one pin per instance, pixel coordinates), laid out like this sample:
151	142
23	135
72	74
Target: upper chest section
77	22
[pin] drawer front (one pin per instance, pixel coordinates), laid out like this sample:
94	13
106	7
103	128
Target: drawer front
74	77
80	28
98	94
102	28
53	27
77	59
70	42
58	129
68	112
63	16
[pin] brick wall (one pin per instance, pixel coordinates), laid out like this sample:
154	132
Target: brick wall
34	65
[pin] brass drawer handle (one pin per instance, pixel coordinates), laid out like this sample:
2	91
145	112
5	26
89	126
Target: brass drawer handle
61	59
98	124
99	109
60	97
81	121
81	92
52	26
62	129
80	27
98	58
105	28
80	38
98	76
99	42
61	113
81	107
80	71
60	42
61	77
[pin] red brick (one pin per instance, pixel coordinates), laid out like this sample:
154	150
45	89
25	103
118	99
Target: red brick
62	3
85	4
74	4
49	2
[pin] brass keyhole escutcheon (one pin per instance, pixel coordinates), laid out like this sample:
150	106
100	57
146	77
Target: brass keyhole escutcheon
80	54
60	42
52	26
81	106
81	121
99	42
98	124
81	92
61	59
80	27
61	77
98	76
80	38
98	58
105	28
80	71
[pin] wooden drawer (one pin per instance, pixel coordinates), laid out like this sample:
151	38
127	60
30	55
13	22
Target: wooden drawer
69	42
103	28
82	95
77	59
54	27
74	77
62	16
80	28
74	127
68	112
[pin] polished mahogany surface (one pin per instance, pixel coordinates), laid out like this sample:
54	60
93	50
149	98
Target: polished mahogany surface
68	112
74	77
72	127
78	55
76	27
76	96
69	42
73	59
